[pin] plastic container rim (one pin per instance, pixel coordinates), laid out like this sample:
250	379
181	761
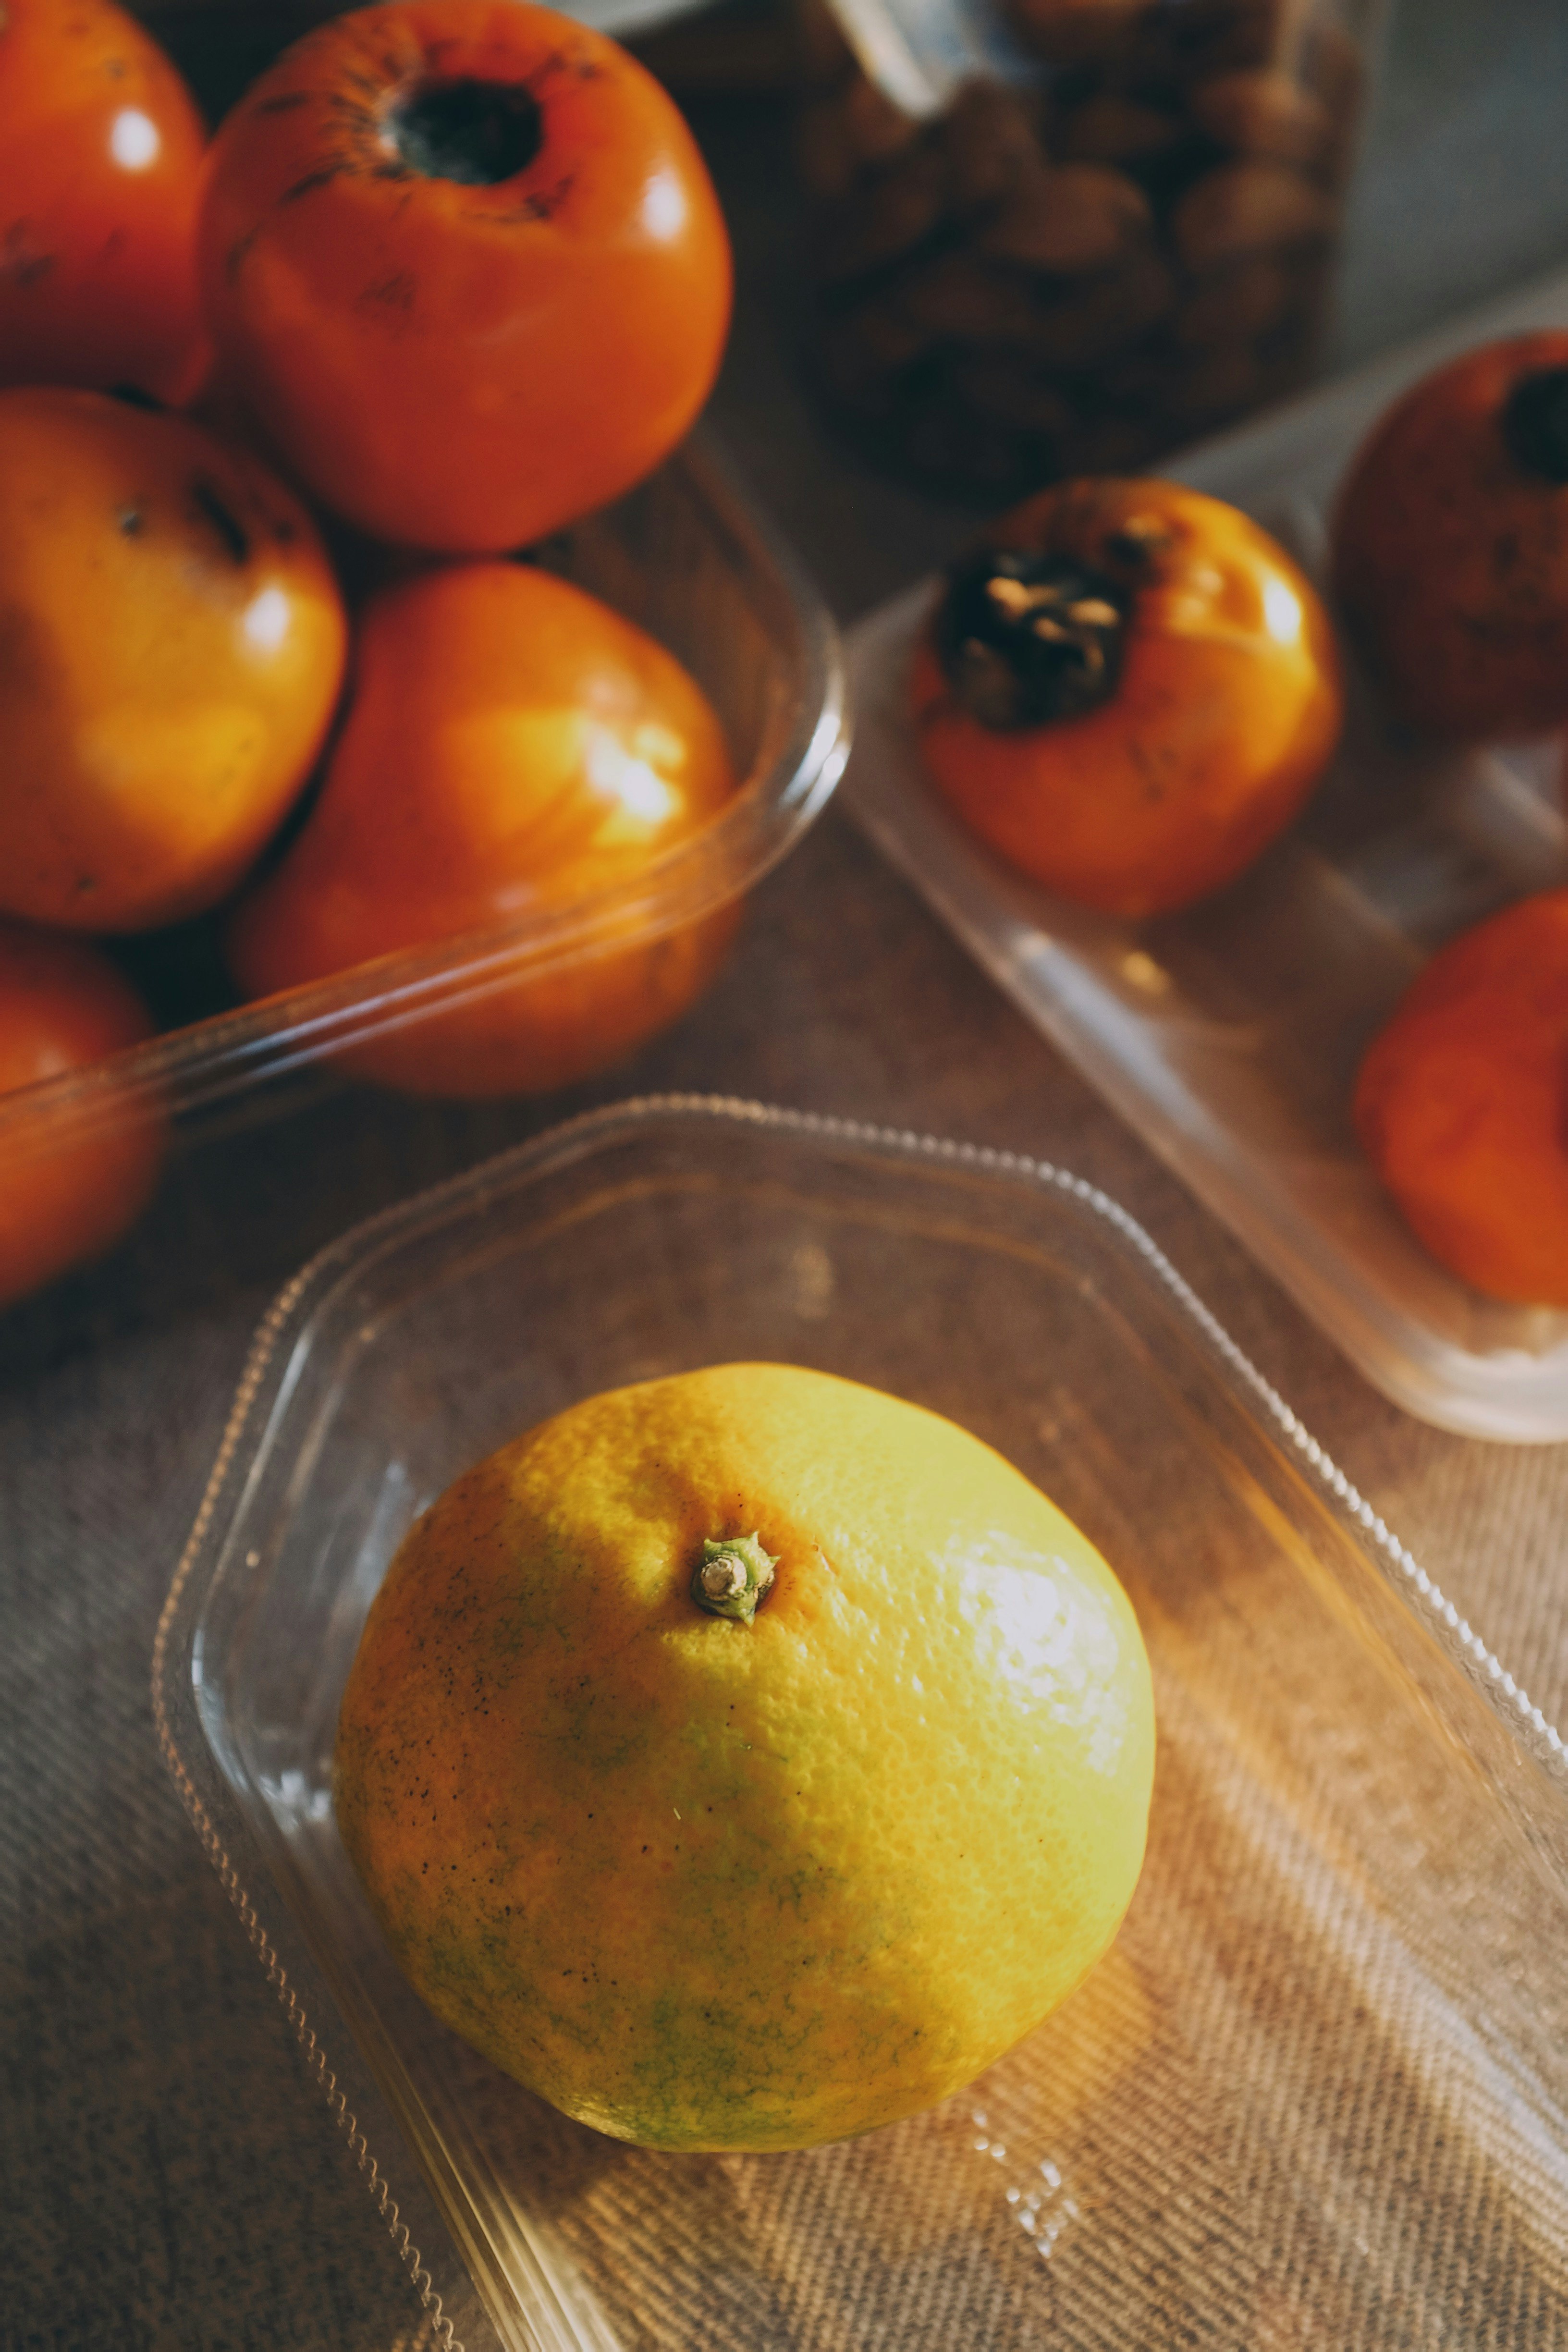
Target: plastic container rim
804	746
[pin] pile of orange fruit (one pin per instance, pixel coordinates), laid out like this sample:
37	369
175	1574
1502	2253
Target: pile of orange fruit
1128	690
450	274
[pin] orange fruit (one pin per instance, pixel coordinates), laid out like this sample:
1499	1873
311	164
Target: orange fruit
1461	1103
707	1881
171	642
76	1177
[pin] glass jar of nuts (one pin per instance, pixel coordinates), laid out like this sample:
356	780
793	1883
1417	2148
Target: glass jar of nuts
1119	235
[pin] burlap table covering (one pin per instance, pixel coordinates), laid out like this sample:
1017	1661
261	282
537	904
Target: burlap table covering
168	2175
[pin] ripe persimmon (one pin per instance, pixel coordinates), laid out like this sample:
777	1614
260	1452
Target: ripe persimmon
1127	690
171	646
465	262
1462	1104
1450	544
512	748
102	152
74	1178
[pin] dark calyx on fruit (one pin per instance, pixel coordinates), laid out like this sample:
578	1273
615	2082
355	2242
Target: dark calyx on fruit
476	133
1535	424
1025	637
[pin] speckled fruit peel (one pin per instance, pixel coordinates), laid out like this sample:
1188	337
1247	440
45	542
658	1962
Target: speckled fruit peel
707	1881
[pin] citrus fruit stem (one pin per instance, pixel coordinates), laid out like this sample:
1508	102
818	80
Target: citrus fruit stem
732	1577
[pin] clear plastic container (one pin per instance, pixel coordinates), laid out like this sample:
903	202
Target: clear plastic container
1229	1036
1318	2091
1060	236
684	556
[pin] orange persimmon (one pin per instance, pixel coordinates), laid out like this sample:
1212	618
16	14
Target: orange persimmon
1450	545
1462	1104
465	262
171	646
1127	690
512	750
102	152
75	1177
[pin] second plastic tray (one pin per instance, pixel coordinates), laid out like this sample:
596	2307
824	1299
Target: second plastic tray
1227	1037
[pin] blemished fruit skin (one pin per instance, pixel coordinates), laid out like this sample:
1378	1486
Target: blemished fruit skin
710	1884
1225	709
1461	1103
171	642
1450	554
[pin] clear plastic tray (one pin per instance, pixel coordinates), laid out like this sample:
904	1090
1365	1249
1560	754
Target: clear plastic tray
1229	1036
1317	2095
686	557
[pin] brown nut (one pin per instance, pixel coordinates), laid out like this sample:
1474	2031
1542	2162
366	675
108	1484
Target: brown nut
1078	217
1264	113
1200	37
875	129
881	218
1110	128
1239	209
960	297
1076	32
989	140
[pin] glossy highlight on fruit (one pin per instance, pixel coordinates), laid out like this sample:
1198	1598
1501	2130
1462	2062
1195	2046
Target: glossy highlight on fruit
464	261
102	152
73	1180
715	1883
513	748
1450	545
1462	1104
171	645
1128	689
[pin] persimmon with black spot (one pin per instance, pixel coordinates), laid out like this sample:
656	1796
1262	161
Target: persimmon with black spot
1450	545
465	262
172	641
1127	689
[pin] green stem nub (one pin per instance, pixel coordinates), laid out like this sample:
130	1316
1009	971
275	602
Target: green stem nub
732	1577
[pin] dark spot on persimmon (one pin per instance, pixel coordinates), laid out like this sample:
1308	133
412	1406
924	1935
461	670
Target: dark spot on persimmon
209	503
476	133
1535	424
322	177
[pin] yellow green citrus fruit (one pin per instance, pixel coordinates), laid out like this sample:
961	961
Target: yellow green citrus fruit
713	1881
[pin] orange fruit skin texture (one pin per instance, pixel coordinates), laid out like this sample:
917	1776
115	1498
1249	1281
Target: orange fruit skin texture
512	746
1229	705
453	366
102	152
709	1884
171	646
66	1194
1451	558
1461	1103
